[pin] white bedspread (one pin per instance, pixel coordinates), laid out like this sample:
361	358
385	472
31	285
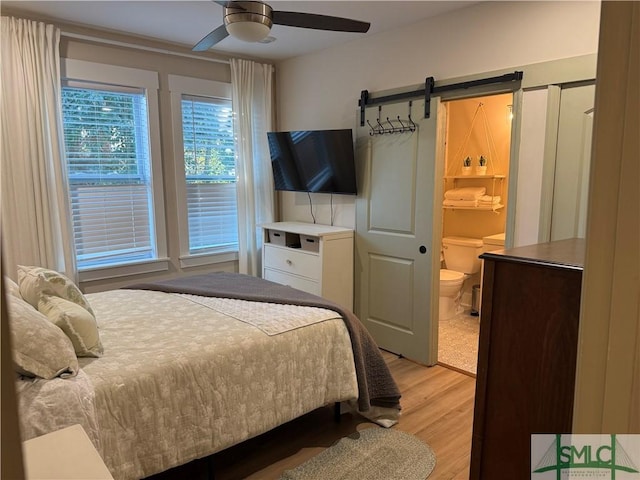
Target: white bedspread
49	405
179	380
271	318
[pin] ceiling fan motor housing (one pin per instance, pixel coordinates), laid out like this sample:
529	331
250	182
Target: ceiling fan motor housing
248	21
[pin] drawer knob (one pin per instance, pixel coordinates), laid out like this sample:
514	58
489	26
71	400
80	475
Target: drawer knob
289	262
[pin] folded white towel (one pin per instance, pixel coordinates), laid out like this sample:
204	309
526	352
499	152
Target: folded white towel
489	200
465	193
459	203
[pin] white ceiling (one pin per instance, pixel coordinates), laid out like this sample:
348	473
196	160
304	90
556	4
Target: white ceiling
186	22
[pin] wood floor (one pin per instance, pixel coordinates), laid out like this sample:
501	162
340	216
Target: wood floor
437	407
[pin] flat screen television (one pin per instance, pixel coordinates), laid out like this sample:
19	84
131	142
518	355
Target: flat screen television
317	161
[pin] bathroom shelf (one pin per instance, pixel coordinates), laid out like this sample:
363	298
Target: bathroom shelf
491	208
486	208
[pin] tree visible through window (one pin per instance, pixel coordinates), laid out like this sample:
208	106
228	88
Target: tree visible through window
210	174
107	150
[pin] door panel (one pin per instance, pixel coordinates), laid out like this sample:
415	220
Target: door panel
390	277
394	222
386	174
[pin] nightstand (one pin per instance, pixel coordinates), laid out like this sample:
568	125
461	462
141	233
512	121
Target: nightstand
64	454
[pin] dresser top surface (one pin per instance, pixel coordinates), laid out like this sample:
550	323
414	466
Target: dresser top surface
563	253
312	229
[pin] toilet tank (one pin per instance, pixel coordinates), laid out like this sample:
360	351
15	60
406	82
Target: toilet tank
461	254
493	242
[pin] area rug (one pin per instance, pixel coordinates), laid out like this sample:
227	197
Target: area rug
370	454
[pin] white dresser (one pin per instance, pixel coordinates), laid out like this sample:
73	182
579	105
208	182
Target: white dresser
311	257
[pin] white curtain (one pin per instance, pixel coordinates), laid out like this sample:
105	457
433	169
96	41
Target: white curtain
252	97
36	225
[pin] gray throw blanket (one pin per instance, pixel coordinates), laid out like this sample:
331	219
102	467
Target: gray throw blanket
376	386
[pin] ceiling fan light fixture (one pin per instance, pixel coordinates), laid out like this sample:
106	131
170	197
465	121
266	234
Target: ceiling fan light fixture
250	21
248	31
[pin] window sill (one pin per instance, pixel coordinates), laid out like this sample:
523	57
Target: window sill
199	260
115	271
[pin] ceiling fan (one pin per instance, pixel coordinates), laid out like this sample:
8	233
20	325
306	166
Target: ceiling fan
251	21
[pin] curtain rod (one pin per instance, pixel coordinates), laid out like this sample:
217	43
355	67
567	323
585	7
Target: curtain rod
139	47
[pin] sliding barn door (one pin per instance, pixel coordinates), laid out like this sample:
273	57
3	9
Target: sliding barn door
394	222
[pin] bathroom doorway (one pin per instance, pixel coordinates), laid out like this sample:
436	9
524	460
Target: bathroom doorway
475	198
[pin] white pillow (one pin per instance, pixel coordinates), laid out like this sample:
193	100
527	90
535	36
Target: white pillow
40	349
35	281
76	322
63	303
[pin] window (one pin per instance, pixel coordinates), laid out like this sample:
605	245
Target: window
113	179
205	167
106	146
210	174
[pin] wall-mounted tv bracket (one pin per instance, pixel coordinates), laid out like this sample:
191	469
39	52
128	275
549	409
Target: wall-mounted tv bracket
430	89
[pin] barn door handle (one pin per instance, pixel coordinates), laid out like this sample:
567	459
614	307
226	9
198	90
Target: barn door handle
423	249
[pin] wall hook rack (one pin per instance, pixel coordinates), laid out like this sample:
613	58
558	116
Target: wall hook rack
413	126
372	129
391	125
395	125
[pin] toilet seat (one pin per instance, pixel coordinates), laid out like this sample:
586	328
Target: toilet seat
450	277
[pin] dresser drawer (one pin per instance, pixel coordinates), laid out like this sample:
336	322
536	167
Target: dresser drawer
300	283
288	260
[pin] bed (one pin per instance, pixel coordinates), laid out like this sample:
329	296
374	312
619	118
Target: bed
181	370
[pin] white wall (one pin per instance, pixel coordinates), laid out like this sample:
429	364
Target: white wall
321	90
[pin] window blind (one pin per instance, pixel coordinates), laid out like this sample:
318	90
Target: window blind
108	162
210	174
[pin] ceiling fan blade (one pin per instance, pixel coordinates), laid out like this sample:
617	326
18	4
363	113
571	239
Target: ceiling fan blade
210	40
319	22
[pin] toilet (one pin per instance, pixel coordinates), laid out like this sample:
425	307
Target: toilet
461	261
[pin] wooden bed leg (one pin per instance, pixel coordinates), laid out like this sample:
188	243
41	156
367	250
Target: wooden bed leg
336	412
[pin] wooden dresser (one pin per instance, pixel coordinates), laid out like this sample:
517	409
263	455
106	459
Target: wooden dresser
527	353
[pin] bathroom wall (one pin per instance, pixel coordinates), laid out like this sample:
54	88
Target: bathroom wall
489	135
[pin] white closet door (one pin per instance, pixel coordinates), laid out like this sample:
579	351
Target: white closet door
573	159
